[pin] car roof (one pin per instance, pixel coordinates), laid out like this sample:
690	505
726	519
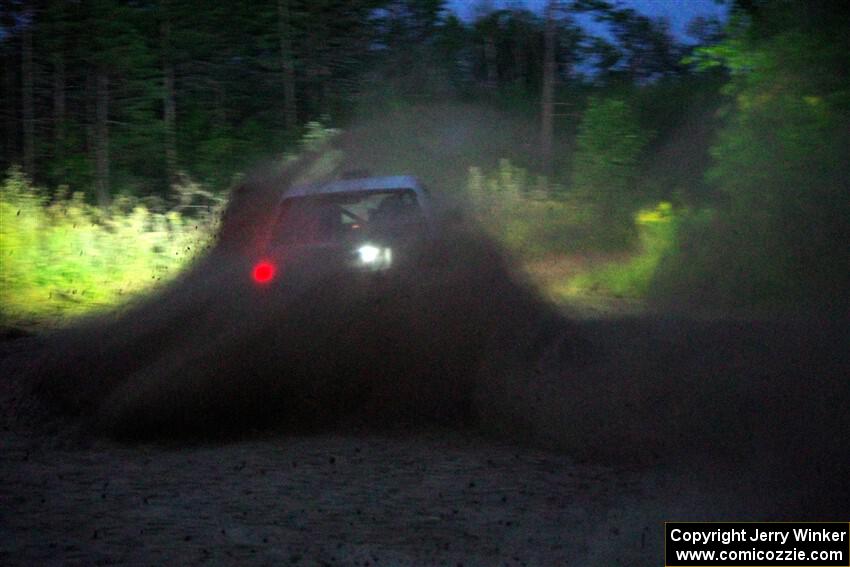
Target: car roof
385	183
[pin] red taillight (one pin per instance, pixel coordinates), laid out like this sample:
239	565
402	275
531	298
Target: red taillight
263	272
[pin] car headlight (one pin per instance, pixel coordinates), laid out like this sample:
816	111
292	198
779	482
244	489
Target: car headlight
374	257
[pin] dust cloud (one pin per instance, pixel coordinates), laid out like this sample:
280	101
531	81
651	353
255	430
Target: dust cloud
216	353
465	341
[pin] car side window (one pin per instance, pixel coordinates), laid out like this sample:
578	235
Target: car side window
339	216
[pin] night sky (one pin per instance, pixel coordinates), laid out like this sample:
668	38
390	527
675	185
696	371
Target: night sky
677	12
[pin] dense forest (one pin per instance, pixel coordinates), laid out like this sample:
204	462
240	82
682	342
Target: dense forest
729	146
126	95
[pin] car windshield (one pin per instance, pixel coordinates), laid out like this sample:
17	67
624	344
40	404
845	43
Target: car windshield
338	217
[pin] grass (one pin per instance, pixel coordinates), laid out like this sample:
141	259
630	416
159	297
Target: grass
577	256
62	257
632	277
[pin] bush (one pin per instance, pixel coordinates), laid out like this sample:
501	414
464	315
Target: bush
62	256
780	161
533	218
723	263
657	231
609	145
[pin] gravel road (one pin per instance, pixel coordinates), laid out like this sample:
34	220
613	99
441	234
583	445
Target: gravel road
439	496
417	497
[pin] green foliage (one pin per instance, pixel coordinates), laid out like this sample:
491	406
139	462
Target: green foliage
657	230
705	269
781	162
531	217
609	145
64	257
776	199
516	209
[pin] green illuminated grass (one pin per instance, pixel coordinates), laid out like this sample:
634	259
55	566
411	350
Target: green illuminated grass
64	258
632	279
535	218
542	224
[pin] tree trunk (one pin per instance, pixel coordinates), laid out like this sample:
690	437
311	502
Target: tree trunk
220	103
27	110
287	63
317	50
520	67
548	91
102	139
59	113
170	119
11	108
169	103
91	111
490	60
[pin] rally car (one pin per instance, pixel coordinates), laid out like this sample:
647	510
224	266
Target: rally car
366	225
